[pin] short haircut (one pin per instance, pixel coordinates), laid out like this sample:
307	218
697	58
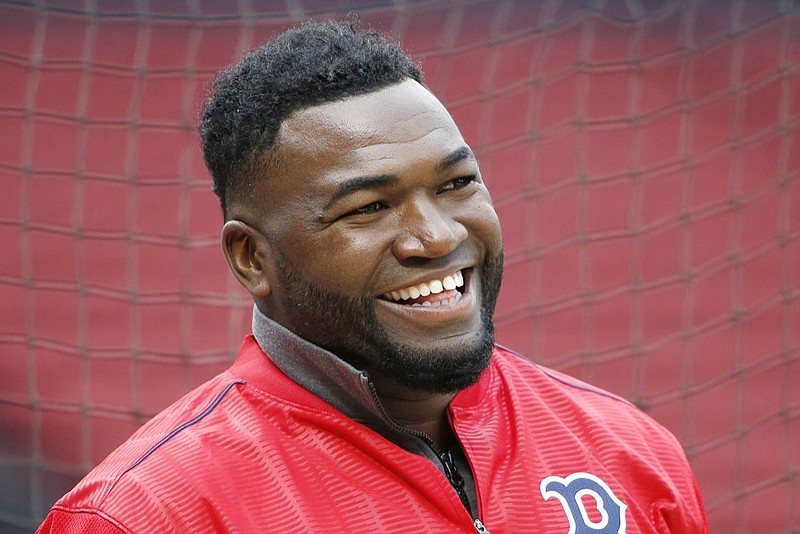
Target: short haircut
311	64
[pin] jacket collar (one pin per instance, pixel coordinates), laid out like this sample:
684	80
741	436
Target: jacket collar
330	378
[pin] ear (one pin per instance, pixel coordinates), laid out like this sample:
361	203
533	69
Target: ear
247	252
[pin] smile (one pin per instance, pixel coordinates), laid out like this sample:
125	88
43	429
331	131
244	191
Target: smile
434	293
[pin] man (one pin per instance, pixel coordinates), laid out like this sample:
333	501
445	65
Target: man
371	397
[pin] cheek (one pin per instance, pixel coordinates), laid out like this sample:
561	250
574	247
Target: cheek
484	224
344	264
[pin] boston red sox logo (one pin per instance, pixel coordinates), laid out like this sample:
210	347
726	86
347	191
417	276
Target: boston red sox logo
572	490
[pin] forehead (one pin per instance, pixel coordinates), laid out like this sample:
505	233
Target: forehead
396	123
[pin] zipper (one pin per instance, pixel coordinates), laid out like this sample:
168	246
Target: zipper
452	474
455	478
388	418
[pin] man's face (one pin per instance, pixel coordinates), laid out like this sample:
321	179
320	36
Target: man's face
384	246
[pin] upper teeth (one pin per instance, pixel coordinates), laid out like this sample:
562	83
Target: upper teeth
424	289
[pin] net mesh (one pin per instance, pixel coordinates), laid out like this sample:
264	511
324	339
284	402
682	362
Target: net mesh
644	159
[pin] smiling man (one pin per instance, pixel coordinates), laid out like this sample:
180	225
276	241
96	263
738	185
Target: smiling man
371	396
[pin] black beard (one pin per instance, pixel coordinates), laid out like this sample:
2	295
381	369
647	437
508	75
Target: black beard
348	327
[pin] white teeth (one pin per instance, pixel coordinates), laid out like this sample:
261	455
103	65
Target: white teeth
448	283
437	303
436	286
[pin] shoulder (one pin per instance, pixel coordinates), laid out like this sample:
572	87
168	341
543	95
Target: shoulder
508	361
161	458
519	372
571	428
589	412
220	443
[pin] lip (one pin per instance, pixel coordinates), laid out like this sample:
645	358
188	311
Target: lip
463	308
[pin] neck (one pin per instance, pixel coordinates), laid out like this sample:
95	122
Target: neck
338	383
417	410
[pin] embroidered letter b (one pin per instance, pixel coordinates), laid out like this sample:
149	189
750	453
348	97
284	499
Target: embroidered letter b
571	492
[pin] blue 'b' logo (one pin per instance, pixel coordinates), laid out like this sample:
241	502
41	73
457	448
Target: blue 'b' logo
571	491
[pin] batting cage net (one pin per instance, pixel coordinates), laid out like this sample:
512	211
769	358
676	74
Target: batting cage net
643	156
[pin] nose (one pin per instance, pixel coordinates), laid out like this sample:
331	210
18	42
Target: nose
427	231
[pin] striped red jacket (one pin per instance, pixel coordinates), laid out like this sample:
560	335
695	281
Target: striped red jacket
251	451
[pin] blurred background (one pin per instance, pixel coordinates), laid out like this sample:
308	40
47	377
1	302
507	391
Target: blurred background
643	156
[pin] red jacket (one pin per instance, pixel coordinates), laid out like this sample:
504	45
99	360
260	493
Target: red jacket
252	451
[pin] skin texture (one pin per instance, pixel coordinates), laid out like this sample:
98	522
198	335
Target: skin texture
372	194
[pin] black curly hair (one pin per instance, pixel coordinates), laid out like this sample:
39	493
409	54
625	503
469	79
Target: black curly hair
314	63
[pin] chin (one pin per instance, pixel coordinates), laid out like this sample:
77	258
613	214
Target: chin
452	364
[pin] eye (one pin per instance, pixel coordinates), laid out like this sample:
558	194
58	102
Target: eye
456	184
368	209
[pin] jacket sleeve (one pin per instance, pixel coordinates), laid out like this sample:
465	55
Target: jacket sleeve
686	513
88	521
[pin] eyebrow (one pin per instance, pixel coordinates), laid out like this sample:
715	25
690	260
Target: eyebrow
360	183
454	157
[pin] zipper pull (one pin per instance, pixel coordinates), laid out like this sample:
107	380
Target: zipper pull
479	527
